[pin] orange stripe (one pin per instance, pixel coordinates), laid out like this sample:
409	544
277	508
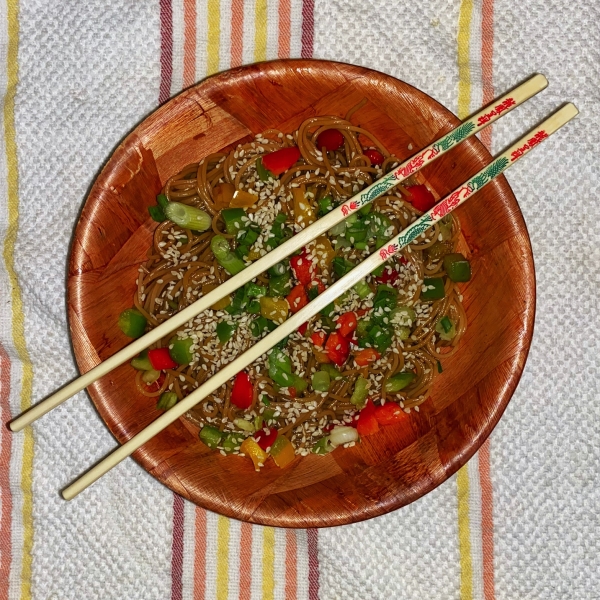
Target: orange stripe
487	521
291	565
189	42
237	32
285	28
200	555
5	495
487	66
245	561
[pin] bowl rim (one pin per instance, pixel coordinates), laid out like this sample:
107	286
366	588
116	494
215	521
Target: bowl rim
390	503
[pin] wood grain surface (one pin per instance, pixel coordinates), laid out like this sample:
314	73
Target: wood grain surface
400	463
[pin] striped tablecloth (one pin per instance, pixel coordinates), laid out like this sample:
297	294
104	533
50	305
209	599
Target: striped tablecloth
521	520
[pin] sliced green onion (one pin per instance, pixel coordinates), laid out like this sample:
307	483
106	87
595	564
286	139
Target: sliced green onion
325	205
181	350
366	209
362	289
167	400
342	265
280	286
439	367
233	441
132	322
142	362
457	267
321	381
255	291
281	268
361	391
434	289
331	371
225	257
265	400
157	213
312	293
260	325
211	436
243	424
150	376
253	307
262	172
402	332
337	229
281	377
323	446
378	272
225	331
299	384
280	359
162	200
398	382
188	217
361	245
446	328
235	220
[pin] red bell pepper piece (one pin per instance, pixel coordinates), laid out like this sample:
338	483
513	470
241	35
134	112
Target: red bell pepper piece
242	392
297	298
374	156
302	268
330	139
318	338
281	160
389	276
420	197
389	413
367	423
319	285
366	356
361	312
346	323
338	348
292	392
265	437
302	329
160	359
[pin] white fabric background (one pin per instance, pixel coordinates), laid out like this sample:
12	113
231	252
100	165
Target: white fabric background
545	452
90	71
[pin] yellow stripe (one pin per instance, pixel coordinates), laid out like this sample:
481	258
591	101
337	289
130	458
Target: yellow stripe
18	320
464	535
462	481
260	33
464	74
268	563
214	32
222	558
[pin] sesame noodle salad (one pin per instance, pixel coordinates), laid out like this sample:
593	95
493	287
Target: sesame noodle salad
365	361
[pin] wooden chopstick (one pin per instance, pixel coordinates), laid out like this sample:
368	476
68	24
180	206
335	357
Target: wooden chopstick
468	128
441	209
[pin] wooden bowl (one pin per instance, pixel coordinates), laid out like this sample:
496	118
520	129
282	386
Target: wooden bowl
402	462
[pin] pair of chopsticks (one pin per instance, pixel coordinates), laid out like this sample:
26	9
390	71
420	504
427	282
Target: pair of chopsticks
468	128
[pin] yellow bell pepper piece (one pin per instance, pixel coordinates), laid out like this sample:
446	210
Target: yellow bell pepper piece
250	448
243	199
322	357
283	451
222	195
274	309
220	304
253	254
324	252
304	214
